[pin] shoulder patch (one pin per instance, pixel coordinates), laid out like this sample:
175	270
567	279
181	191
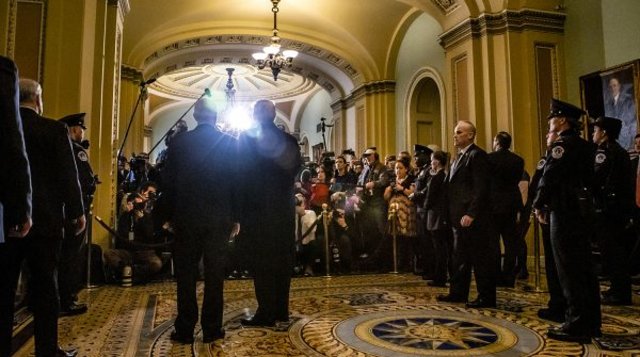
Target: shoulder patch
541	164
557	152
82	156
601	157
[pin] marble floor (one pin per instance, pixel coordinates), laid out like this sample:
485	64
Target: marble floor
358	315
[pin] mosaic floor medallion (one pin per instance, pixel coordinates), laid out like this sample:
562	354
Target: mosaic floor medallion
431	330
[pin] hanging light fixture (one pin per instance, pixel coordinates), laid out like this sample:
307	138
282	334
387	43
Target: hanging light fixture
235	117
270	55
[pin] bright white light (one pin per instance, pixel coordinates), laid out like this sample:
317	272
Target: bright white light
272	49
241	118
290	53
259	56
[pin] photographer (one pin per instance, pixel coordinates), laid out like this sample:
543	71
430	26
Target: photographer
135	229
319	190
340	233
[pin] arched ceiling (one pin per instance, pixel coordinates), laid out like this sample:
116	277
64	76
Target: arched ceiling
342	43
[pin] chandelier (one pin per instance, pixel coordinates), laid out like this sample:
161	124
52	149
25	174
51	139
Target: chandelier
235	117
270	55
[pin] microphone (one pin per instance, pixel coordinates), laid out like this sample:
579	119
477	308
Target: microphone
207	92
147	82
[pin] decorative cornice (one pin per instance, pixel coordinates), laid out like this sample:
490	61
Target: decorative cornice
378	87
505	21
254	40
446	6
130	74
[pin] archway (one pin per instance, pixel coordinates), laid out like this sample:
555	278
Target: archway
425	113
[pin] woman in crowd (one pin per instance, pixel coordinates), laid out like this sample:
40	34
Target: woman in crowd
397	195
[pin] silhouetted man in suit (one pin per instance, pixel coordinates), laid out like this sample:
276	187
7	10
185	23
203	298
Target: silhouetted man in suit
56	195
468	195
268	212
506	172
15	178
15	191
200	186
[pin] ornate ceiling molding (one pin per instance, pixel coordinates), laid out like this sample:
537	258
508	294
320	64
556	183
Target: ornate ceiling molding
130	74
506	21
253	42
446	6
386	86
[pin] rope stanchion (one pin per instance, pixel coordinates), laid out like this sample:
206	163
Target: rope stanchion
327	253
537	268
393	217
89	240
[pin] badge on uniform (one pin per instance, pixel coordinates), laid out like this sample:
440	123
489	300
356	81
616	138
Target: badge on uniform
82	156
600	158
557	152
541	164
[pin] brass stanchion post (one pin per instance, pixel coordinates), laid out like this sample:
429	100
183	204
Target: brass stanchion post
327	254
537	269
89	239
393	217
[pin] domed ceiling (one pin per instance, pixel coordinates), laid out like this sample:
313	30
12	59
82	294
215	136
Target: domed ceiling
248	82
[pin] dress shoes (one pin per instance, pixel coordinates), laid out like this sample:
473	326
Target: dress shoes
561	334
257	322
480	303
551	315
610	299
209	338
73	309
180	338
450	298
72	352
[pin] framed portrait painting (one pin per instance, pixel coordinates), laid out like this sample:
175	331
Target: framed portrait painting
614	92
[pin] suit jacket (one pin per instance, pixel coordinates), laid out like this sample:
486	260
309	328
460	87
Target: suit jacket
199	178
435	202
270	160
54	176
506	172
468	187
15	177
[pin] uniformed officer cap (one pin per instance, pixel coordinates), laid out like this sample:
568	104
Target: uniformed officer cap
611	125
421	149
559	108
74	120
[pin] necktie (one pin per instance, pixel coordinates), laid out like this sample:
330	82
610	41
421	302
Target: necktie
638	185
455	163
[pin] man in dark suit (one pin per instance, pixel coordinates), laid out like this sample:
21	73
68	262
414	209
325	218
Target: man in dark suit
200	188
506	172
15	190
564	202
268	212
56	195
468	195
15	178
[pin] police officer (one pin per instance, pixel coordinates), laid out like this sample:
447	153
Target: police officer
422	159
71	258
613	203
563	200
557	303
